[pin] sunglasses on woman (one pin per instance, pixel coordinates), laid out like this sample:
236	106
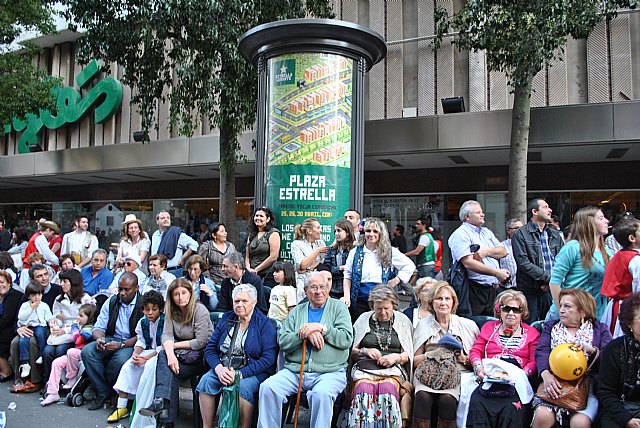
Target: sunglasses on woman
506	309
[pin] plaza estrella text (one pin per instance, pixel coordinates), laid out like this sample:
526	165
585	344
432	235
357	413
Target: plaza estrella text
307	188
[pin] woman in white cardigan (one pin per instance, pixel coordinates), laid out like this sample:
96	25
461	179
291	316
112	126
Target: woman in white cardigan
381	364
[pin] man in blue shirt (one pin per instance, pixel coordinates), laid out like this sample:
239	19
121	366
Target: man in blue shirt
477	248
114	335
96	277
173	243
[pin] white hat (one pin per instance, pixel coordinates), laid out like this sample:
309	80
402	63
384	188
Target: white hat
130	218
133	257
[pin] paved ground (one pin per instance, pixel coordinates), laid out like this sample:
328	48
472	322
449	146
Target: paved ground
29	414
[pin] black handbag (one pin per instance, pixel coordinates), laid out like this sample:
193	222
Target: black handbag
189	357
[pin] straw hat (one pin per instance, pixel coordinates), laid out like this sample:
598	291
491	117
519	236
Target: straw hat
130	218
47	224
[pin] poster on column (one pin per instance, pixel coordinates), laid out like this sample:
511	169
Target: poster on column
308	141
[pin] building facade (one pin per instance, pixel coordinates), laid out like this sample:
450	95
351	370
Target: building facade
418	161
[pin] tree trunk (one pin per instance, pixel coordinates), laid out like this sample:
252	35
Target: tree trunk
228	185
520	120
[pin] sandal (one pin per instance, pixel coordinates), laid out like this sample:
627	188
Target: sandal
26	387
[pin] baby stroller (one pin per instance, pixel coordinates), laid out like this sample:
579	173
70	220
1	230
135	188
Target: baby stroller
82	390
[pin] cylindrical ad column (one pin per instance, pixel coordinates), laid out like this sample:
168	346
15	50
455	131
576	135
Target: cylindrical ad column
310	122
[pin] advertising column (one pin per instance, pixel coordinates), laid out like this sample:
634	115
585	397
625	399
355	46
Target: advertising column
308	140
310	131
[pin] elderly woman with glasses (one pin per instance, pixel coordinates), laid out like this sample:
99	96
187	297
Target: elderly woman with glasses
381	359
442	302
504	349
577	325
251	351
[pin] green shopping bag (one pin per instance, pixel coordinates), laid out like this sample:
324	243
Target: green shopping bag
230	408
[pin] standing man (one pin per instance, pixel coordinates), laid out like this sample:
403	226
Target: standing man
97	277
115	336
80	243
5	237
173	243
478	250
399	241
353	216
535	247
425	251
326	326
509	262
39	243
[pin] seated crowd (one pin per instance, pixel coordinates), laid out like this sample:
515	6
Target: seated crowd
359	361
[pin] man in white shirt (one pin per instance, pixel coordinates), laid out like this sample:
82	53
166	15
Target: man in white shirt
80	243
131	264
173	243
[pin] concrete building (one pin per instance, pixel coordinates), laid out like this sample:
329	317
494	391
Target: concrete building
418	161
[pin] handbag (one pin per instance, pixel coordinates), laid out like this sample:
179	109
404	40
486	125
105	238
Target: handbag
575	393
230	407
189	357
439	370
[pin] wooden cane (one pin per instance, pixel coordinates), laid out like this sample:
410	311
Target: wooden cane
304	356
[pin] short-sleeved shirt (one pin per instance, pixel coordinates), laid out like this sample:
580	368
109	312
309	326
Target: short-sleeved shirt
282	297
460	242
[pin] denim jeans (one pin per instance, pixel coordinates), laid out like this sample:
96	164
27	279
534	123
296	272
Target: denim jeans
40	333
427	270
168	383
103	367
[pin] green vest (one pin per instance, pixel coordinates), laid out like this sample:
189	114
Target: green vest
428	254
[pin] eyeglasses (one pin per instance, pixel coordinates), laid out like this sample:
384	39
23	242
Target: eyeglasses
320	288
506	309
514	228
128	263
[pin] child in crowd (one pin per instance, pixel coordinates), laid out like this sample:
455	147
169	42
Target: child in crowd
149	332
81	335
35	315
622	276
283	296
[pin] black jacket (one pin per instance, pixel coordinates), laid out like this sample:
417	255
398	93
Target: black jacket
527	253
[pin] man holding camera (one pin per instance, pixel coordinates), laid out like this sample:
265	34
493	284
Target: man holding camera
114	335
478	250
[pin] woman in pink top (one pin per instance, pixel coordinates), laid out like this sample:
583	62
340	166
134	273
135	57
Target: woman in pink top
504	349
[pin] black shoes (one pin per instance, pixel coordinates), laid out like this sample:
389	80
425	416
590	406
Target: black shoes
157	407
98	403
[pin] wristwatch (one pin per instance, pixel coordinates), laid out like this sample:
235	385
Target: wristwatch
324	329
122	345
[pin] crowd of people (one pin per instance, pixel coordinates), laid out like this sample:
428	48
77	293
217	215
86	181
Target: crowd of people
476	351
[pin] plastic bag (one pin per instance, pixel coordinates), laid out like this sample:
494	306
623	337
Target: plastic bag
230	407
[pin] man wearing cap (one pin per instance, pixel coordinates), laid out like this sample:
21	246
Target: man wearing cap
96	277
173	243
39	243
80	243
131	264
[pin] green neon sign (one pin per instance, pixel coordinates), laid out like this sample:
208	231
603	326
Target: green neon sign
105	96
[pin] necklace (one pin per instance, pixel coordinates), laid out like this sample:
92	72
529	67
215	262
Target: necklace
380	332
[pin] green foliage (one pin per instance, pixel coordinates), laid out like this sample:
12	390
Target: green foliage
24	87
519	36
184	52
24	15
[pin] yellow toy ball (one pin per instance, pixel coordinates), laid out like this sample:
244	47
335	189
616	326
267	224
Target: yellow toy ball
567	361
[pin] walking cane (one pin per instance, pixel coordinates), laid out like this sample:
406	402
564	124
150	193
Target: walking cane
304	356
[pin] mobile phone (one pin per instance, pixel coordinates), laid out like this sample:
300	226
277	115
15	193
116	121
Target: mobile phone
474	247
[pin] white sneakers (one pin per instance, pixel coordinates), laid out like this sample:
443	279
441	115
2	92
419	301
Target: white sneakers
25	370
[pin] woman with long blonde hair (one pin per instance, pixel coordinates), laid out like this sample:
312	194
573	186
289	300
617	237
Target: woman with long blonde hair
371	263
307	251
582	260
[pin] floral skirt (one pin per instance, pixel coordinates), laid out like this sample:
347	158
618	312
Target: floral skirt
375	404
